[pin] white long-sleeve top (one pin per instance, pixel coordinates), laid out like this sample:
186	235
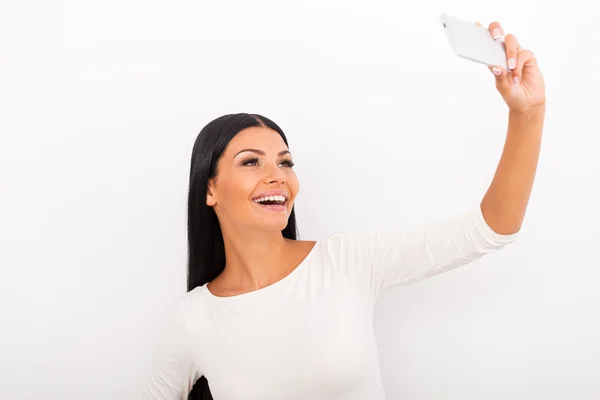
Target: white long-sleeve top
309	335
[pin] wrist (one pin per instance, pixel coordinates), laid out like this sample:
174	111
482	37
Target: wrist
532	112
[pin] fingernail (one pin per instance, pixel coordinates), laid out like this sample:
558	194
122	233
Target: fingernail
496	71
516	80
512	63
496	33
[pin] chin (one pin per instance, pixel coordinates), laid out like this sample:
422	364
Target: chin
273	224
272	218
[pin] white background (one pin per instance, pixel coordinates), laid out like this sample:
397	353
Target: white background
100	105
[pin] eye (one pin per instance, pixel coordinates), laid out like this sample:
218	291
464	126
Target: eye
251	161
288	163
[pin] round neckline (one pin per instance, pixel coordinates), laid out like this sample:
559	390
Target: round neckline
270	287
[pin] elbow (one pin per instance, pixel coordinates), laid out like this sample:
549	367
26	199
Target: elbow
502	223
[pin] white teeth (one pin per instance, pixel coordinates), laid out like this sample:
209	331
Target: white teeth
280	199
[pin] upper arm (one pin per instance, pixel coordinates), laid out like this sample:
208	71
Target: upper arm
174	369
379	260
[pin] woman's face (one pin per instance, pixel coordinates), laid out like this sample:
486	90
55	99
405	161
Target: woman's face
255	185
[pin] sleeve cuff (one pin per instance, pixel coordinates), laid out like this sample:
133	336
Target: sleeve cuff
488	233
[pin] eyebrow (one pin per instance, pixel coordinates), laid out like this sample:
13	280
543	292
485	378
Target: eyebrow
262	153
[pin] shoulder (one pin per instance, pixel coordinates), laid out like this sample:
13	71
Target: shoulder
193	307
195	296
346	250
353	243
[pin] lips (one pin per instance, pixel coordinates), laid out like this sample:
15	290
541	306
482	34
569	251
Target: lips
275	200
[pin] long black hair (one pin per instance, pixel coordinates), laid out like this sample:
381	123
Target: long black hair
206	250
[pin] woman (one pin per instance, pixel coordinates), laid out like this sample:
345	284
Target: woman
267	316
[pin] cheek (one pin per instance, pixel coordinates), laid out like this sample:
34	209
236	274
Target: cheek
293	183
238	189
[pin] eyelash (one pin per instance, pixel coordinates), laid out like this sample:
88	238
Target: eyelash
287	163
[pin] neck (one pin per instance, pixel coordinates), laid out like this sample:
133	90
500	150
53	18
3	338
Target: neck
253	258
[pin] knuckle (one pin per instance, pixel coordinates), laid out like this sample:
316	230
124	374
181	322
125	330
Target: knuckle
527	54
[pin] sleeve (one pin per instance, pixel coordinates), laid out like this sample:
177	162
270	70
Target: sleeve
174	369
375	261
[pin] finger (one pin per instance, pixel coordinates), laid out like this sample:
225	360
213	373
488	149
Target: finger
511	46
496	30
524	57
478	24
498	71
503	83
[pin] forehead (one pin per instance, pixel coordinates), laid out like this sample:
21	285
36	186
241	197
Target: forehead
257	138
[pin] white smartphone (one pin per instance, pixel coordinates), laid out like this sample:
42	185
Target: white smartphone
474	42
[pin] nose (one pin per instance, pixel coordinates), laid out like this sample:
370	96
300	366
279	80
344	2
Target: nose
274	174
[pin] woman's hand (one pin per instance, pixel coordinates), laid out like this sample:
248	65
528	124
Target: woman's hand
522	85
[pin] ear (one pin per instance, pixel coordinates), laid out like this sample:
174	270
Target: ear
211	199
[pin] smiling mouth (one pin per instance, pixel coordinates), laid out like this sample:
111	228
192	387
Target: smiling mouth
276	203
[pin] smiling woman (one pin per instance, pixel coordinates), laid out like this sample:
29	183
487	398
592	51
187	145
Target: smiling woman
237	160
268	316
